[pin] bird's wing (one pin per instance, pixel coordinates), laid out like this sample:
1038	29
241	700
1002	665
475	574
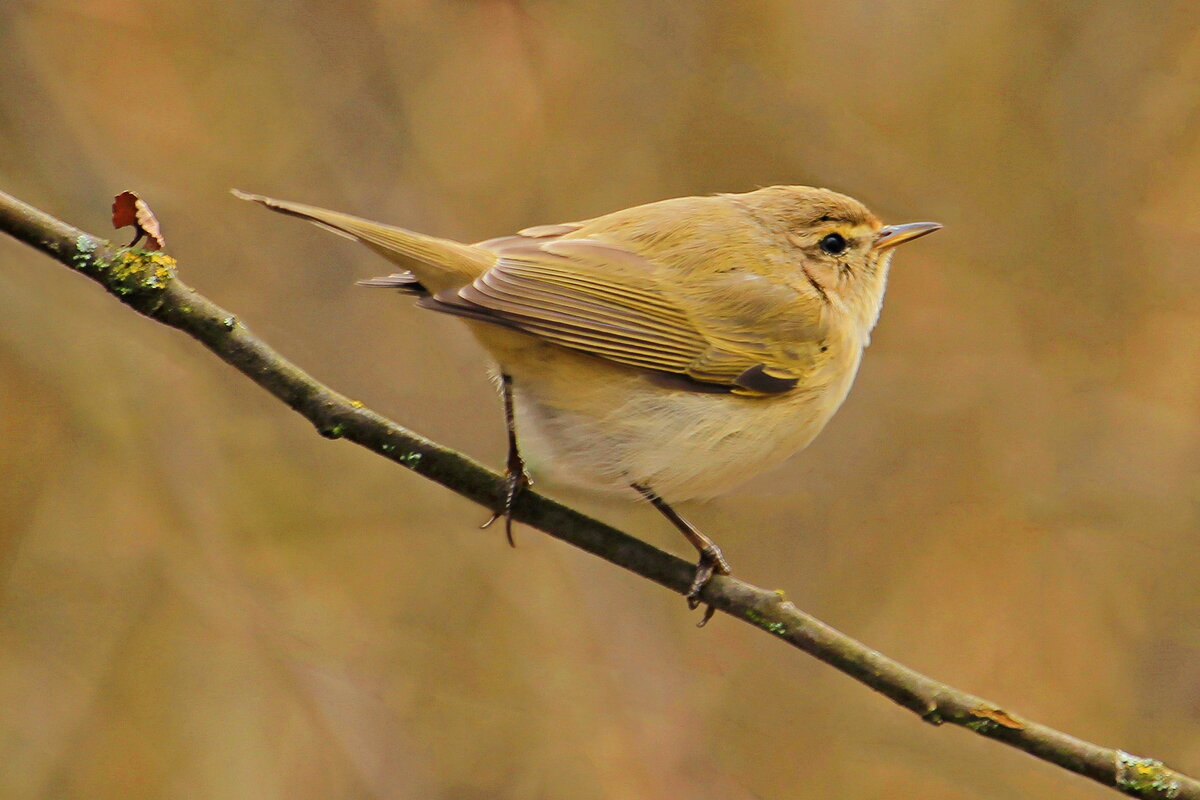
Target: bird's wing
608	301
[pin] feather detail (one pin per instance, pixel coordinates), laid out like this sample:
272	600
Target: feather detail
405	281
604	299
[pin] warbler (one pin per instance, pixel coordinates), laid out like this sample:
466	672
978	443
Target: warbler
673	349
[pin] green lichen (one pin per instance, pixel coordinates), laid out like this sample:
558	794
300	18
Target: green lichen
84	247
229	322
138	272
770	626
387	447
409	459
1144	777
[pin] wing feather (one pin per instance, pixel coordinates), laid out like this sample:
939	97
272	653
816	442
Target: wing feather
606	300
530	292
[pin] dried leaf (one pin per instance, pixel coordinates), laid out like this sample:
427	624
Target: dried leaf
129	209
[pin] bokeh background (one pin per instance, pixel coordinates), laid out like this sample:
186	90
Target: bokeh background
201	598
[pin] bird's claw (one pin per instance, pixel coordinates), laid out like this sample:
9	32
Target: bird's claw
515	482
712	562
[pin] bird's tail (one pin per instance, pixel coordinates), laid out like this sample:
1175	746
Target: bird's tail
433	264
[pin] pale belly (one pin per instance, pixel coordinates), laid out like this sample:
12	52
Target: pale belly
603	427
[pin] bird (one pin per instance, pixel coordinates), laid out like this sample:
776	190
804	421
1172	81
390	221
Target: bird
671	350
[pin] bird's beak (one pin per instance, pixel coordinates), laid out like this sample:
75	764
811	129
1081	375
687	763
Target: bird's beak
893	235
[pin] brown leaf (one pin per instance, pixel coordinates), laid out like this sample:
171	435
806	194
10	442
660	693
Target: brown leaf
129	209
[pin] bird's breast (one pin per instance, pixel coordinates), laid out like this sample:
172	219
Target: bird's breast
593	423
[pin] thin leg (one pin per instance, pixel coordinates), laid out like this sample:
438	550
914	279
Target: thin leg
712	561
515	476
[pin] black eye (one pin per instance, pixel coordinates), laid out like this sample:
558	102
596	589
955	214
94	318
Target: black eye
834	244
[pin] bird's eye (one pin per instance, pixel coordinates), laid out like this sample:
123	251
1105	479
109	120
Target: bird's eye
834	244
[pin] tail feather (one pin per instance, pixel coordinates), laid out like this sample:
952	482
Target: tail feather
434	263
404	281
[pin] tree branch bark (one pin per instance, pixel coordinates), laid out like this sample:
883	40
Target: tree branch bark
146	281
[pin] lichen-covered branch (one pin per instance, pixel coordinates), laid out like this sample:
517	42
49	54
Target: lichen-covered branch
147	282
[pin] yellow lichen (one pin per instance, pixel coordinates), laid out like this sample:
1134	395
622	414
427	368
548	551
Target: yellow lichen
133	271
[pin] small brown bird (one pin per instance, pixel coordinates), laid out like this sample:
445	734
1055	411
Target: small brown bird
676	348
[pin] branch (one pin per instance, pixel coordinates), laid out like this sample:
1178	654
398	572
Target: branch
146	281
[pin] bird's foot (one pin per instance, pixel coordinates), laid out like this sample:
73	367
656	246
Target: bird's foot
515	481
712	562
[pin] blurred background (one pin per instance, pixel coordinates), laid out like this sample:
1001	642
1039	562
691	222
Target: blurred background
201	598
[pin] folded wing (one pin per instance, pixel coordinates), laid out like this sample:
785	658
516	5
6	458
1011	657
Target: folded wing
605	300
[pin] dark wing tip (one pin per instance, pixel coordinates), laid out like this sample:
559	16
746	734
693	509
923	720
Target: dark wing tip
756	379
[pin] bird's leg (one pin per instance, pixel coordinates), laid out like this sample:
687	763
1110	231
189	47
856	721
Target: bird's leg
712	561
516	479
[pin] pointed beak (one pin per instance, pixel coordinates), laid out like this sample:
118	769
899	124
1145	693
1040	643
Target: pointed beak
893	235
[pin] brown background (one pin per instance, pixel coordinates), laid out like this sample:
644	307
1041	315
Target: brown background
203	599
